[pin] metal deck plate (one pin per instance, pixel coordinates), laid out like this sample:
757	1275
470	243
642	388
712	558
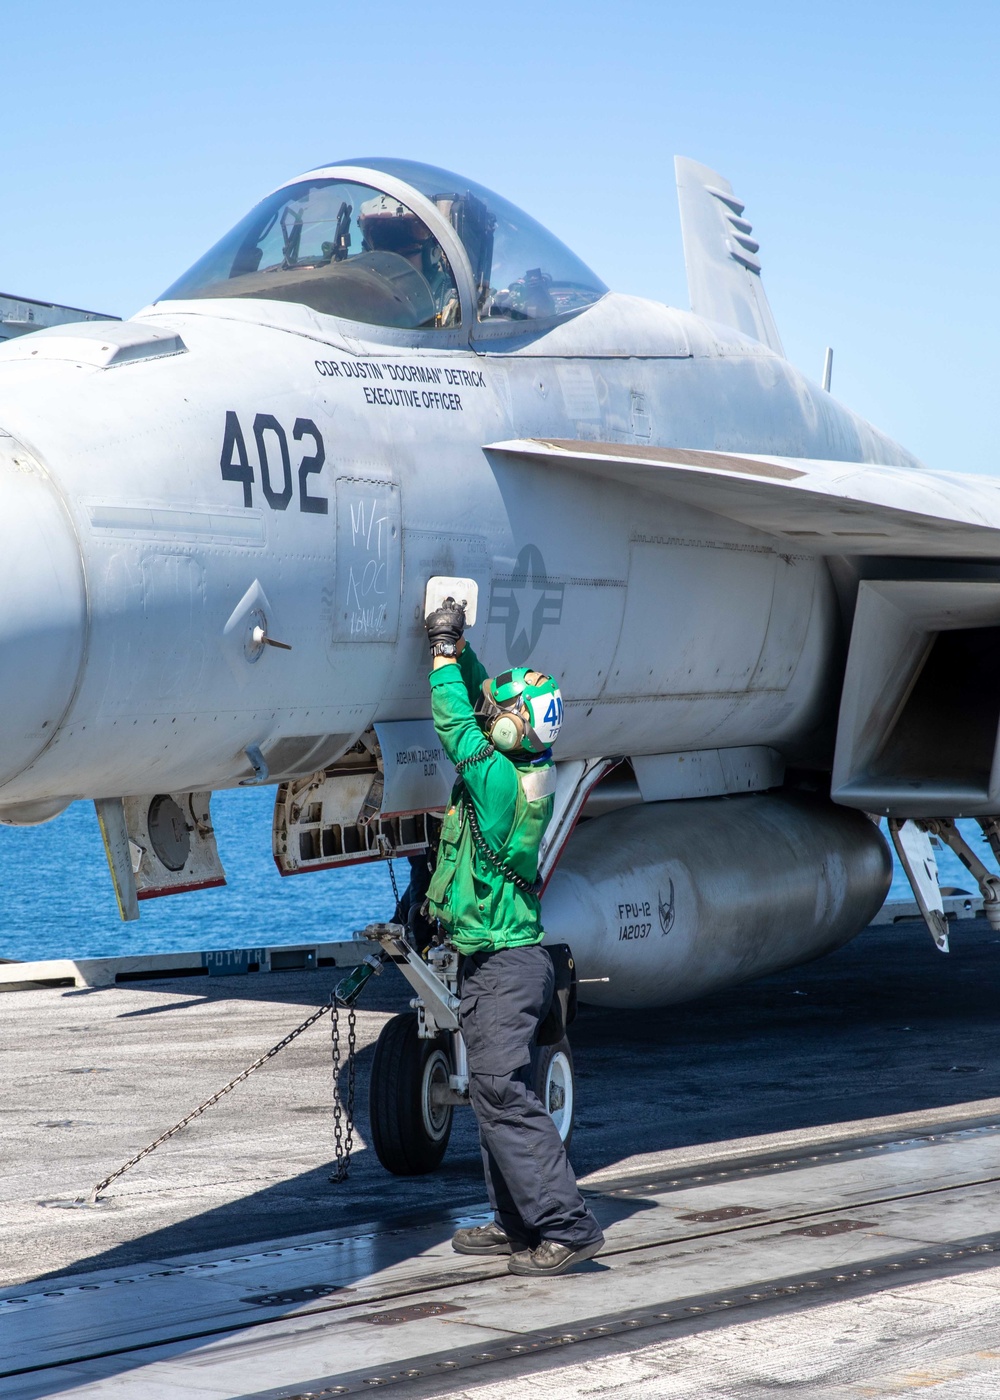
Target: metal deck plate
349	1310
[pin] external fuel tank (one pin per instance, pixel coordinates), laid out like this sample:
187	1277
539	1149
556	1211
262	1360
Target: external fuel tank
671	900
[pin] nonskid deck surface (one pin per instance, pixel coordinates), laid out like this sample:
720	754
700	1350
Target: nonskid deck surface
347	1311
868	1054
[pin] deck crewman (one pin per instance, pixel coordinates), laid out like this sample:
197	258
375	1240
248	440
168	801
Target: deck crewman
498	732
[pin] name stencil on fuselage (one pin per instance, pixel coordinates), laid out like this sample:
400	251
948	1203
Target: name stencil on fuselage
399	384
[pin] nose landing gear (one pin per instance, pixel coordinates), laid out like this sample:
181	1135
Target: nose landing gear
419	1072
409	1107
554	1084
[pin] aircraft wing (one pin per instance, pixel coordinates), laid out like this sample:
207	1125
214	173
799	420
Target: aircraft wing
821	507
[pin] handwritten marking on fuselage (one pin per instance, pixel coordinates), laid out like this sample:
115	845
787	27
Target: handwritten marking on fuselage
366	588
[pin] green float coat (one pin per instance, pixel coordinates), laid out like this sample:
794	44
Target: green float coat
479	908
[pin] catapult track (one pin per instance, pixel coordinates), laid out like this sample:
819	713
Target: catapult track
766	1231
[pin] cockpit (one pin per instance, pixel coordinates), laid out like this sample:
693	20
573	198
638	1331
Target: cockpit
397	244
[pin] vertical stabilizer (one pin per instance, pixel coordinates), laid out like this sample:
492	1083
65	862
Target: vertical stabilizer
721	255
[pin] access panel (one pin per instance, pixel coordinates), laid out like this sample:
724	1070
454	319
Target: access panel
369	561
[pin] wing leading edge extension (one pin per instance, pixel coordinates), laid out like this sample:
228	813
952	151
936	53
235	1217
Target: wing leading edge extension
823	507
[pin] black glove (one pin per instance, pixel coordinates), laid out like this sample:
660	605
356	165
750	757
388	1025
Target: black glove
446	623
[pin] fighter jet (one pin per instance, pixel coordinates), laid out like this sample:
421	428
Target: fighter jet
769	621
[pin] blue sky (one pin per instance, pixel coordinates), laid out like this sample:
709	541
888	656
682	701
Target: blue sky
863	138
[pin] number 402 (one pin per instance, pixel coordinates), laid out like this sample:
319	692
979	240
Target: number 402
236	465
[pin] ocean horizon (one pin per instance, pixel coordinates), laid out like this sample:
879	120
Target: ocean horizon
58	900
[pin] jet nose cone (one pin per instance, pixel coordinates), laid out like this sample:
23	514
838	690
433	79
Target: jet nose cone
43	609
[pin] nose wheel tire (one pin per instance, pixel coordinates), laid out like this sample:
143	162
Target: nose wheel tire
409	1128
554	1084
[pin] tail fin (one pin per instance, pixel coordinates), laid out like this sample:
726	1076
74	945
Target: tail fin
723	270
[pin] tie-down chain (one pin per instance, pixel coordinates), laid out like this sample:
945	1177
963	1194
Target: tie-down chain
435	983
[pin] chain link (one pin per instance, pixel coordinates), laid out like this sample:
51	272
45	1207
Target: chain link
343	1113
206	1104
387	851
343	1131
392	879
343	1137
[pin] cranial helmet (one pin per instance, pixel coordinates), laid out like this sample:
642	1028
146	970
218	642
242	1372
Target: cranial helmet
388	226
520	710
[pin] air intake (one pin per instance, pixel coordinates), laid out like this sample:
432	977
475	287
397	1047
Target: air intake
920	712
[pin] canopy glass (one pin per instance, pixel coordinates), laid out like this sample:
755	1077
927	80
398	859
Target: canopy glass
351	250
520	270
339	247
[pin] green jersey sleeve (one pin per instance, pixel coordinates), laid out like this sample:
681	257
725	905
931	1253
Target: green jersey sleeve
493	783
473	672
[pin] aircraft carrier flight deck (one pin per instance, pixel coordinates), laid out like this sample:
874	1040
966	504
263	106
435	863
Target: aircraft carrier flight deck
797	1179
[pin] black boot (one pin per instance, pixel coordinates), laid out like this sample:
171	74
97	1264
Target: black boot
551	1258
485	1239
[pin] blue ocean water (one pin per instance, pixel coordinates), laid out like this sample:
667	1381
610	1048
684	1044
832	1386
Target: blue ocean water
58	900
951	872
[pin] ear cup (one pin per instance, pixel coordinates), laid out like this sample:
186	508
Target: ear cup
507	732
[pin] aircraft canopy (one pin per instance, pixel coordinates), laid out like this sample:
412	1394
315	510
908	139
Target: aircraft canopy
342	244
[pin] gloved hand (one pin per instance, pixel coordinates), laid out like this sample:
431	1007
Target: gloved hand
446	623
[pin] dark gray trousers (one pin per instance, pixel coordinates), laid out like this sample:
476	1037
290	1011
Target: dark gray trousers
530	1182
